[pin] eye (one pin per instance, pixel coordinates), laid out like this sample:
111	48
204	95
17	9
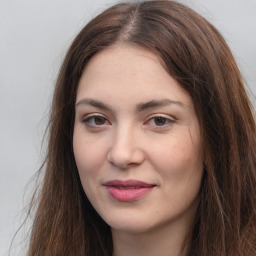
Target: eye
95	120
159	121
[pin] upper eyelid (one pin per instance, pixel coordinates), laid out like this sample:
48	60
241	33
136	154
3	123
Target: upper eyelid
85	116
167	116
161	115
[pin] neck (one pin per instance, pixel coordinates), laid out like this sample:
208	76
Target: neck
164	241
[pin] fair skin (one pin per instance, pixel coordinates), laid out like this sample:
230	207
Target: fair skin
135	122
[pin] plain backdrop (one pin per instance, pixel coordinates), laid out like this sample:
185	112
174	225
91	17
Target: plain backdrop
34	36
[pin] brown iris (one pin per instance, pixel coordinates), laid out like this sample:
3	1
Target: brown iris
160	121
99	120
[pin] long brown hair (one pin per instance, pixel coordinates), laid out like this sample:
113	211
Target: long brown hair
195	54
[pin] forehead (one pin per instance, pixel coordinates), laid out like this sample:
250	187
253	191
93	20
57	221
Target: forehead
129	72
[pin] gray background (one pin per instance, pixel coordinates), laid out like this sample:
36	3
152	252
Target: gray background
34	36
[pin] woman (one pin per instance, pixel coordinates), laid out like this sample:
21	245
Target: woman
152	141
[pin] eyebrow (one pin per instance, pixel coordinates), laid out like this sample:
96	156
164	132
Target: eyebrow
157	103
139	107
94	103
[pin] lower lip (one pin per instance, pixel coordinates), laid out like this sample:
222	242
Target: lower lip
128	195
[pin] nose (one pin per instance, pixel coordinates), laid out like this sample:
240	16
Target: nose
125	150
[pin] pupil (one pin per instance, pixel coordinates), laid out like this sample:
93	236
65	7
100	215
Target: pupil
160	120
99	120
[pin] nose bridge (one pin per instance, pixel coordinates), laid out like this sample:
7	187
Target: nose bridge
123	141
124	149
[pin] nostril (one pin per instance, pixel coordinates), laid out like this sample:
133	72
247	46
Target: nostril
126	159
120	159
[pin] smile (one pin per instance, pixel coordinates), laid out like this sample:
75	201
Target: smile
127	191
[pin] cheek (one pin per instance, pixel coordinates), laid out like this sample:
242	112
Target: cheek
89	155
176	158
179	161
181	170
88	165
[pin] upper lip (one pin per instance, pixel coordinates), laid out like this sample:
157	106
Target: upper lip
128	183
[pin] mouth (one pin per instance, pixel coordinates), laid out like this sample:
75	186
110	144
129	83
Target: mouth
129	190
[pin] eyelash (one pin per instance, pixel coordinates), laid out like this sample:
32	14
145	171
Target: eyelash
91	121
92	118
167	121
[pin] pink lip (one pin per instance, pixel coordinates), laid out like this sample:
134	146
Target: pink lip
129	190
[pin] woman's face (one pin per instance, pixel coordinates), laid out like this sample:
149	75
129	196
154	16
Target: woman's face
136	141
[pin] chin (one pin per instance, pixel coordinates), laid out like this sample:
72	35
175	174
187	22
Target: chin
133	224
129	223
